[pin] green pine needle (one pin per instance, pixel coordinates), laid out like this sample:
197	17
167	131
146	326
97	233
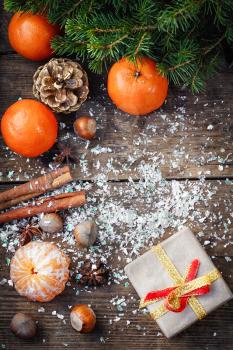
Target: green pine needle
185	37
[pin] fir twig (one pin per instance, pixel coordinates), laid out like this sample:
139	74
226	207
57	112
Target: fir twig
184	36
211	47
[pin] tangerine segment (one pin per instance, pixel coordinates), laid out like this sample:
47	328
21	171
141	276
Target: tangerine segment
39	271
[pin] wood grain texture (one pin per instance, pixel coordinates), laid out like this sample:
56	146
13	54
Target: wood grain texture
141	330
122	135
119	336
209	152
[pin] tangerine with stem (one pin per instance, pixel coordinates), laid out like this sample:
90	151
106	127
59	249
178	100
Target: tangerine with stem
137	87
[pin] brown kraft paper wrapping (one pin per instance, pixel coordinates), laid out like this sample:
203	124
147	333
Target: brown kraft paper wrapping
147	273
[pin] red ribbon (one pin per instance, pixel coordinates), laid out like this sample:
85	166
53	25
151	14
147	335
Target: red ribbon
170	293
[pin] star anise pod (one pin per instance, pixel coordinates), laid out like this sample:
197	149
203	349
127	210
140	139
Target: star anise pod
93	274
27	234
66	153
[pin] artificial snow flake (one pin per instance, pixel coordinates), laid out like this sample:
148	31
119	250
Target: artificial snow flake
133	215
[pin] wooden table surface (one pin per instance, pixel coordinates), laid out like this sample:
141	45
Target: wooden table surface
198	143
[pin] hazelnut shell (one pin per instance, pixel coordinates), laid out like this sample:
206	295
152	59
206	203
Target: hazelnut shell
85	127
82	318
23	326
51	223
85	233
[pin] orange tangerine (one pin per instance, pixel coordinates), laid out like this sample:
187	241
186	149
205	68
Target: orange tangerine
137	87
31	34
29	128
39	271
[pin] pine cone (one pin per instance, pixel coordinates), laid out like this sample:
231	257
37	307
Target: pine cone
93	274
62	84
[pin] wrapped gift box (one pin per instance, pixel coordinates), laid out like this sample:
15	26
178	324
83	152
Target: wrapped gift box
149	273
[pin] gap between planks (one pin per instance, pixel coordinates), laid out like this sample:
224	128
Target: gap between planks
207	178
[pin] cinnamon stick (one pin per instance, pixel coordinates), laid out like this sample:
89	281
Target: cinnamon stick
35	187
18	200
46	205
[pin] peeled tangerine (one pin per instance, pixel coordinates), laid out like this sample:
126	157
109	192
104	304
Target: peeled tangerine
39	271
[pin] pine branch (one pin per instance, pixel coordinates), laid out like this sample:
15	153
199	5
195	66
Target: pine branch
193	67
197	84
184	36
214	45
139	45
35	6
179	14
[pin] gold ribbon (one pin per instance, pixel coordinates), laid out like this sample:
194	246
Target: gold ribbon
182	287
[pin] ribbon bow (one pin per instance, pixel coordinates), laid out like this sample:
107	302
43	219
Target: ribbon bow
183	292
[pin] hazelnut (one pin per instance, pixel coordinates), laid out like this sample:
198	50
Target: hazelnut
85	233
51	223
82	318
23	326
85	127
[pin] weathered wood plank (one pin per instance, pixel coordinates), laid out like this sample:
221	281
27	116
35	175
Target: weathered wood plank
205	206
141	330
190	136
